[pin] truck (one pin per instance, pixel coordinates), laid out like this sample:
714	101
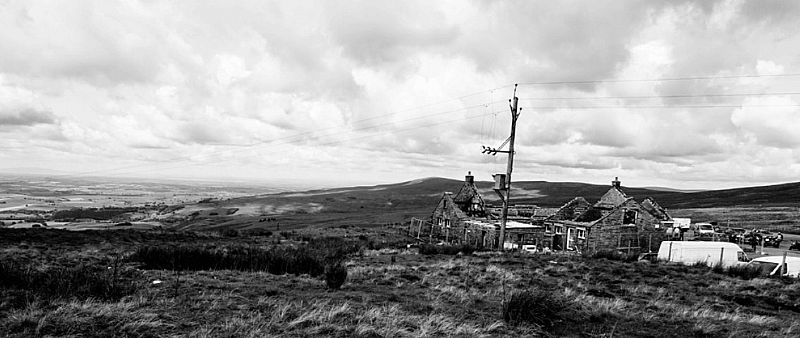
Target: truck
710	253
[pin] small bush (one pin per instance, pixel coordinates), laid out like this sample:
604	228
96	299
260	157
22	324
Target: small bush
276	260
63	283
335	275
615	255
537	306
743	271
259	232
230	233
718	268
430	249
699	264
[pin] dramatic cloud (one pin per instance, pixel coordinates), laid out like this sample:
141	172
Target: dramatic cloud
377	91
26	117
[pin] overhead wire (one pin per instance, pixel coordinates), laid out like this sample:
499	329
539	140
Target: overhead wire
669	107
285	140
299	136
664	79
323	144
565	98
303	134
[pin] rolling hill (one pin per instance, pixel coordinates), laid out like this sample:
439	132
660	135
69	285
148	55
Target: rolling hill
389	203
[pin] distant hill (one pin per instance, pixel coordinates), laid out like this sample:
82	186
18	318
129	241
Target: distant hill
390	203
553	194
773	195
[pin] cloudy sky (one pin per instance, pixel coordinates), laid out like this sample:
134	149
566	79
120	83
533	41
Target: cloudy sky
684	94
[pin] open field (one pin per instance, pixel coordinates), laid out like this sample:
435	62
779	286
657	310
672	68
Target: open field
775	218
389	292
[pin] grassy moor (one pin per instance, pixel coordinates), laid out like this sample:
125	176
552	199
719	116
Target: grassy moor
368	284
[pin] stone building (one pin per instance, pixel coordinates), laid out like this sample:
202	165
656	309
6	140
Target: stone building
614	223
465	218
457	218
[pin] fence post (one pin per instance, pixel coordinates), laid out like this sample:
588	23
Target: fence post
650	243
669	256
721	254
783	264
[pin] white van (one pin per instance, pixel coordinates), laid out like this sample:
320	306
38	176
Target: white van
771	265
710	253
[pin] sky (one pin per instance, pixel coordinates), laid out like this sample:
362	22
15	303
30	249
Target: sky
681	94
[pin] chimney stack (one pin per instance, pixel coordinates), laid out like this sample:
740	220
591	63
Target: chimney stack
616	183
469	178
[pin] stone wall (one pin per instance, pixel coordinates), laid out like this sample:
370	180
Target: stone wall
611	234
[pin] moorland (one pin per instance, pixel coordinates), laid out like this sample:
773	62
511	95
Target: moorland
335	262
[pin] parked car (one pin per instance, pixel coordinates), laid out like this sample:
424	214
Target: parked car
772	240
735	235
765	237
704	228
757	234
771	266
711	253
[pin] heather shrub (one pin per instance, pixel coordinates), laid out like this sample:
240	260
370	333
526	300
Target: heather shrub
82	282
615	255
536	306
431	249
743	271
335	275
276	260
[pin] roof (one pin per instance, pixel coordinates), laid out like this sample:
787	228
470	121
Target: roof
520	225
544	212
448	198
466	194
495	224
612	198
564	211
656	210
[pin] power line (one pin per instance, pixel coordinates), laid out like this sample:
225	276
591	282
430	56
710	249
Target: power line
285	140
688	78
300	135
348	139
656	96
668	107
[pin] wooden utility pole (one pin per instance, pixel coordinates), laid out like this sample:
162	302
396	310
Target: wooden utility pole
505	180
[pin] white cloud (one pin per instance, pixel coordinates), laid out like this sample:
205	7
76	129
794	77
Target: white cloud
375	90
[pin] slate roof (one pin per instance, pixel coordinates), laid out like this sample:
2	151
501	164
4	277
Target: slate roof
612	198
467	194
656	210
448	198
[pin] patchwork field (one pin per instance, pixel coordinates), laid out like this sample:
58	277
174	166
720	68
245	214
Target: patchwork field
119	283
